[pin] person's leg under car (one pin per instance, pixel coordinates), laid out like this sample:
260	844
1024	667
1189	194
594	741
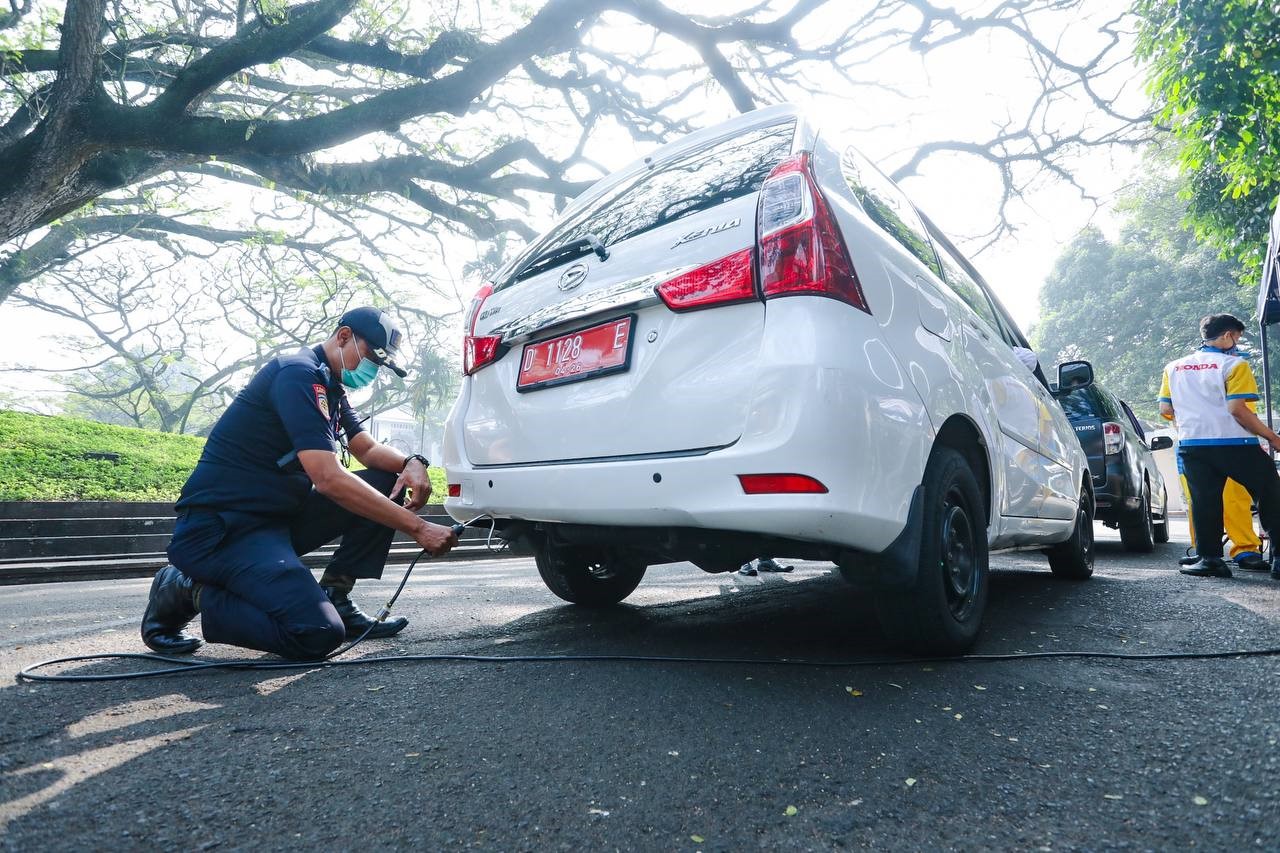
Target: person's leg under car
1203	467
255	592
362	554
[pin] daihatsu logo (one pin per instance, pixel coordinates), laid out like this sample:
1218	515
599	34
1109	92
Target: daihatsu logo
573	276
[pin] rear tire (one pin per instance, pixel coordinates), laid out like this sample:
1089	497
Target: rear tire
1073	559
941	613
1139	535
588	577
1161	527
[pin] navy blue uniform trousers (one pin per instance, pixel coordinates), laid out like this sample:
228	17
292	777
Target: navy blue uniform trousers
257	592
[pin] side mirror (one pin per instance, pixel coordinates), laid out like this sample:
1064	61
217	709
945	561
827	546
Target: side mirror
1161	442
1074	374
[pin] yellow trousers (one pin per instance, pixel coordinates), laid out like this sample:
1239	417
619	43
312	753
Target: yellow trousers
1237	518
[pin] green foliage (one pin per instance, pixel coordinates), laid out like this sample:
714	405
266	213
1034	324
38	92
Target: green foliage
42	458
1134	305
1215	72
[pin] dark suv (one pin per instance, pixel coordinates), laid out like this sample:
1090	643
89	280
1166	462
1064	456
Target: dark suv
1129	491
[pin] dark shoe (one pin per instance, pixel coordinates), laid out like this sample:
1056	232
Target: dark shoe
1209	567
768	564
1253	563
170	608
1189	560
356	621
748	570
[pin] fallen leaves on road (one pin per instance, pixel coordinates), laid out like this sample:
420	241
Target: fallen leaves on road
791	811
1113	796
1199	800
910	782
697	839
852	692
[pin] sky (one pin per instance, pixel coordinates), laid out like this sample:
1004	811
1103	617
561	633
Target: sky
962	91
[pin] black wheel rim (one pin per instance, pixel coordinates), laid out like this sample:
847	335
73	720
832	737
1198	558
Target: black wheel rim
960	575
602	570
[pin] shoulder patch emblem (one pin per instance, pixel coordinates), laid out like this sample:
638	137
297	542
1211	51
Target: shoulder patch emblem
322	399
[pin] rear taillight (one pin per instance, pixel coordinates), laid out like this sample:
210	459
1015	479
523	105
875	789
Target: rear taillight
801	250
1112	437
479	351
780	484
723	282
455	490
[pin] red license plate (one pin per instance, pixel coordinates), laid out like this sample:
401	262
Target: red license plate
584	354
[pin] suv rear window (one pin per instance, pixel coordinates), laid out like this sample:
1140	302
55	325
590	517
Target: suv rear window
1079	403
672	189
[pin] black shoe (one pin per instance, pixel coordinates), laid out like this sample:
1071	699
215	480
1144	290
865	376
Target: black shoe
170	608
357	621
1209	567
1253	563
768	564
1189	561
747	569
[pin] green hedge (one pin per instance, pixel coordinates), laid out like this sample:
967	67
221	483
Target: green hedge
44	458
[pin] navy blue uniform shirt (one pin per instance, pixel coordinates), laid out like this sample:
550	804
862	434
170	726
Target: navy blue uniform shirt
293	403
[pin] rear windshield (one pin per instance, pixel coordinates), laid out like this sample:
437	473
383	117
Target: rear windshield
1078	403
673	189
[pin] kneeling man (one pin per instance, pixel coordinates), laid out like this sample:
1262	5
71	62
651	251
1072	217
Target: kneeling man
269	488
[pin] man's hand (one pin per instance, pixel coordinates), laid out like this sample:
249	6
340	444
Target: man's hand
414	477
1275	443
436	539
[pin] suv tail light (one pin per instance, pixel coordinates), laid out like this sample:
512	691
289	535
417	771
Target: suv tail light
479	351
723	282
801	249
1112	437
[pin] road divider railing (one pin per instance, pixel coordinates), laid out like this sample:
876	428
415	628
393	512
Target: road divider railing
48	541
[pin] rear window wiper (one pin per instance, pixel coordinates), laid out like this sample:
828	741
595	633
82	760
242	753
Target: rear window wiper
549	258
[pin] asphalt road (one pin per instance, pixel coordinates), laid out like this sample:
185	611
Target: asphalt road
1025	755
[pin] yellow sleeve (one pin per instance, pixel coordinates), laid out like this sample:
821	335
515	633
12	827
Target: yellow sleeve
1241	384
1165	395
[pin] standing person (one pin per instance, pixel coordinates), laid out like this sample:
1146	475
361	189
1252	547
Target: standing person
1211	393
268	488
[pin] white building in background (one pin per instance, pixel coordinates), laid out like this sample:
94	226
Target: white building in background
401	430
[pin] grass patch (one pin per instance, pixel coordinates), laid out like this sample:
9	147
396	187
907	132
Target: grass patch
51	458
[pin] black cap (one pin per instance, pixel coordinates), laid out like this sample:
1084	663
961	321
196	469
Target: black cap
381	332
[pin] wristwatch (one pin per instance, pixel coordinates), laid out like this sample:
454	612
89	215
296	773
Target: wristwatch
426	463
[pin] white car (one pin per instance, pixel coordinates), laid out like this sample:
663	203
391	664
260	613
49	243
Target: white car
750	343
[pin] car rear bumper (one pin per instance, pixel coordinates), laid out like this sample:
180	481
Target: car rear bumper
831	423
1117	496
